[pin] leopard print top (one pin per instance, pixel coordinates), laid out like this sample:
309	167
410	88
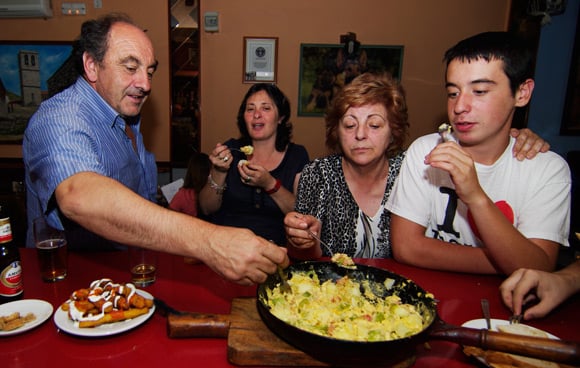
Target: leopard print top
323	193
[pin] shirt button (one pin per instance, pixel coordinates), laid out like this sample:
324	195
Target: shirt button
258	190
257	205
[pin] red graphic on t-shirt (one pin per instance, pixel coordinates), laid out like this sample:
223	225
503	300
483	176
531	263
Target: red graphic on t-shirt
503	206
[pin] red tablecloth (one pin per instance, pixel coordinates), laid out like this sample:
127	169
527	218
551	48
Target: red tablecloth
197	288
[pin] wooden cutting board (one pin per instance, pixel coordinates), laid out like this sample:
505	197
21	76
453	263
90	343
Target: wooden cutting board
250	342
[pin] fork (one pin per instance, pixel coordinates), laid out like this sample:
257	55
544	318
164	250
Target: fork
316	237
515	319
445	131
237	150
326	246
485	310
284	285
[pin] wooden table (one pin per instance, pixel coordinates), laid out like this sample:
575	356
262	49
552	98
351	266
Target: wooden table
197	288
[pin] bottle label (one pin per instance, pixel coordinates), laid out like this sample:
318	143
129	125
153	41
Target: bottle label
5	230
11	280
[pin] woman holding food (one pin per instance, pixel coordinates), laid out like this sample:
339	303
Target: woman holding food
253	178
341	197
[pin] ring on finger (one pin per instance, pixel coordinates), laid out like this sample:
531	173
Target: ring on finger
247	179
225	159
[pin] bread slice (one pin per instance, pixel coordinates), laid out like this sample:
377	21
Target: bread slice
520	329
498	359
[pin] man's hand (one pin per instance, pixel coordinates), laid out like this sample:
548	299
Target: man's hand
241	256
550	288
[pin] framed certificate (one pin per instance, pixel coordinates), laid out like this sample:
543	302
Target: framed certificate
260	59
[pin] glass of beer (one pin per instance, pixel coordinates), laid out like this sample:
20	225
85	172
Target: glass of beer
143	266
51	248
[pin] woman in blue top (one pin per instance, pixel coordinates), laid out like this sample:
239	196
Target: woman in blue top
257	190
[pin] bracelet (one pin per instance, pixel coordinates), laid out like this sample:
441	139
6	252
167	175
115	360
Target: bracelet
276	187
219	189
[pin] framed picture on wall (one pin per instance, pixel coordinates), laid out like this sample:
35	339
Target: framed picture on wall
260	59
30	72
324	69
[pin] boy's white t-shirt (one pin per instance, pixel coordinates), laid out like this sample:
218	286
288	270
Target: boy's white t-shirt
536	192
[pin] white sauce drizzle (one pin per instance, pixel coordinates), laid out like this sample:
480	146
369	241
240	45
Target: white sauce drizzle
101	290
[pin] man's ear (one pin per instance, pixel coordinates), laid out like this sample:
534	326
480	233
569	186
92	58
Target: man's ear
524	93
90	66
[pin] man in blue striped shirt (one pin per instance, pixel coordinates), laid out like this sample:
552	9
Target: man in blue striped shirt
88	172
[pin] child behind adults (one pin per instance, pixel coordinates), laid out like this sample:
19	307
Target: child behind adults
471	206
185	200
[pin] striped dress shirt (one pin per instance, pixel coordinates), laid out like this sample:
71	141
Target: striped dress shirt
78	131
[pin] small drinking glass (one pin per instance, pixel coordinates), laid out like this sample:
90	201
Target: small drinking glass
51	248
143	266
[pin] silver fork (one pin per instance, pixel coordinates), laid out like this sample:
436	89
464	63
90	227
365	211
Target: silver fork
326	246
515	319
485	310
284	285
237	150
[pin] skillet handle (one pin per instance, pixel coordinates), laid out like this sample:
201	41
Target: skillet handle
534	347
542	348
197	325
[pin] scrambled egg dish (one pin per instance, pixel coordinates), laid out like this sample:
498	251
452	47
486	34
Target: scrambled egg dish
247	150
342	311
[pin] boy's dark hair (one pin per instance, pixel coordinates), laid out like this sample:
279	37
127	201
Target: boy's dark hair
284	130
514	51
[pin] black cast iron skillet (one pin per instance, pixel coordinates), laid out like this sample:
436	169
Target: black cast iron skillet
394	352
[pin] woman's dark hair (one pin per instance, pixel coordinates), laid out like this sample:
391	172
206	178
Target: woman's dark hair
197	171
94	38
284	130
370	88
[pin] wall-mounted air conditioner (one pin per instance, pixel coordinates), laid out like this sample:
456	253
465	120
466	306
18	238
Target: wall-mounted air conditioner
25	9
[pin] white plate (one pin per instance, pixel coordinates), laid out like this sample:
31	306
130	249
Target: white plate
481	324
41	309
65	324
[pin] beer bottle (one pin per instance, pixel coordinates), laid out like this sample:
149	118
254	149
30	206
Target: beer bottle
10	269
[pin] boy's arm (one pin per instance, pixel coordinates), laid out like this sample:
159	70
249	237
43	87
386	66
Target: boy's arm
411	246
509	248
504	244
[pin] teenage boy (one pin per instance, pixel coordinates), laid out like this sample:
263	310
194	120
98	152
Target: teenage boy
468	205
